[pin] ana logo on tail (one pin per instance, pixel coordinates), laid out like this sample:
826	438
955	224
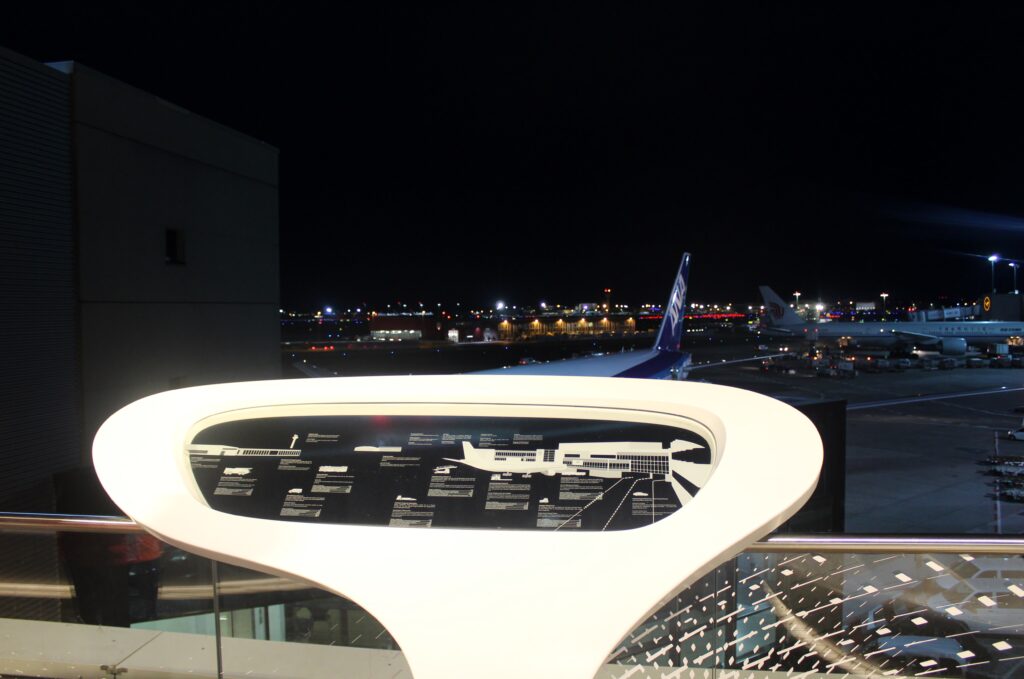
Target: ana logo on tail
670	335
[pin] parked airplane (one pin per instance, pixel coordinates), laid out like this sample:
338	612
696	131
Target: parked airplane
663	360
948	338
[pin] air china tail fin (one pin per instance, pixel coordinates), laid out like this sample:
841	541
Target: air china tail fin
778	312
670	335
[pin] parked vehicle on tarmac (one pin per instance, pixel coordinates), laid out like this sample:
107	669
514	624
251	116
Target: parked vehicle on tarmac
1002	361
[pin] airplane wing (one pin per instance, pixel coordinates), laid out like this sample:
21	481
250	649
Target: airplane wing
904	400
916	336
776	331
640	363
663	360
718	364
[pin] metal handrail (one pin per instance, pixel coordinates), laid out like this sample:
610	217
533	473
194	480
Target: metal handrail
889	544
18	522
820	543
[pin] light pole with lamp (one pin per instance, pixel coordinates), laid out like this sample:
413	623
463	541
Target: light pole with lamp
1015	266
992	260
885	297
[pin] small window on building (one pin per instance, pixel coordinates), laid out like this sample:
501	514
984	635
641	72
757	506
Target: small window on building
174	246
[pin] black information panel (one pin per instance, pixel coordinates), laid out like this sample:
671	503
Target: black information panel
453	472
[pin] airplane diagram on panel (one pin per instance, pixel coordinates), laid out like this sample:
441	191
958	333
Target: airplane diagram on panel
684	464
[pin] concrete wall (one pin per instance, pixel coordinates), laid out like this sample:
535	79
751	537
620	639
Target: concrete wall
209	313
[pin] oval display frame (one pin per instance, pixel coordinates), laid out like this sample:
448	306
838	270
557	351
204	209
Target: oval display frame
471	603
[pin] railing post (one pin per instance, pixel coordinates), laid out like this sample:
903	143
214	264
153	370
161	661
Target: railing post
999	490
216	617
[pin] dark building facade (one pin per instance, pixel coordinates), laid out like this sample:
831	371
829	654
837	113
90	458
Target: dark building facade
39	346
139	253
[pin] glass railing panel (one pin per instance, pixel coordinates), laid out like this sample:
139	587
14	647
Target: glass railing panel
78	604
259	606
90	605
287	628
87	605
841	614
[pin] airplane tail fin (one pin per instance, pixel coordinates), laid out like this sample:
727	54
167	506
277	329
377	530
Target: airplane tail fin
778	312
670	335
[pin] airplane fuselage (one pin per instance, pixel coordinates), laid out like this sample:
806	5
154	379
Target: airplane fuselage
980	332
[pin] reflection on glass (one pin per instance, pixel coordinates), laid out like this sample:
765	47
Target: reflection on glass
141	606
73	604
258	606
944	615
115	577
284	627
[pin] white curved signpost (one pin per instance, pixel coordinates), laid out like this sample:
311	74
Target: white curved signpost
498	526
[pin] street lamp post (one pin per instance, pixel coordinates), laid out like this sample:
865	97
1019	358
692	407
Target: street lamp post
1015	266
797	295
992	260
885	297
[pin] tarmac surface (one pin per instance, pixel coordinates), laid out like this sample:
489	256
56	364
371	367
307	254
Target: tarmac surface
912	466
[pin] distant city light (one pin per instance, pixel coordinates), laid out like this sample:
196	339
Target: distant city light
328	310
499	305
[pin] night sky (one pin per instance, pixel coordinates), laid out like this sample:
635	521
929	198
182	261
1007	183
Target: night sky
504	151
